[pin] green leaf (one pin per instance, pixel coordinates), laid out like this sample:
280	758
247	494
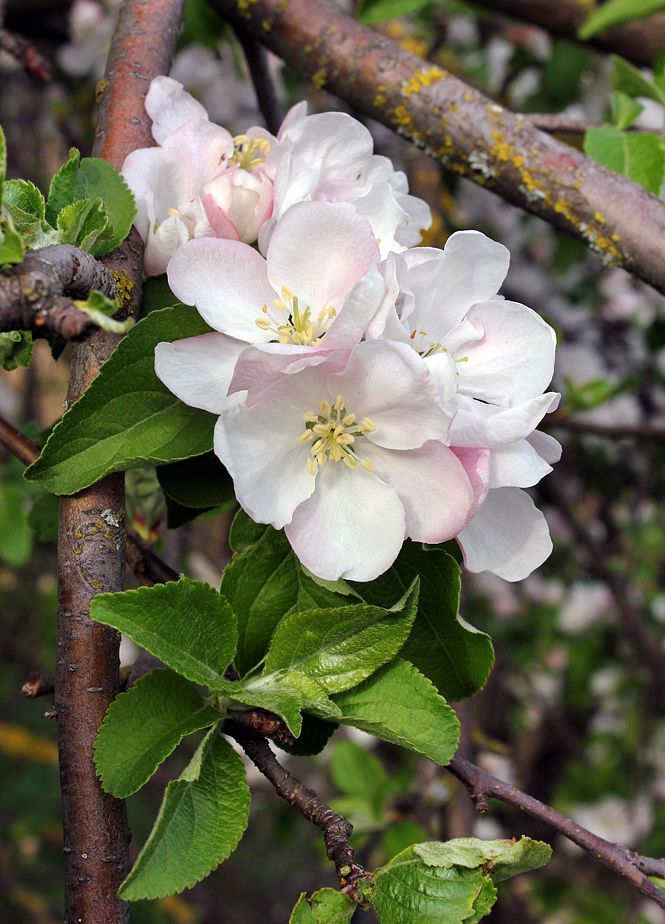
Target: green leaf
341	647
12	245
613	12
323	907
408	891
626	78
400	705
637	155
15	349
25	196
326	906
93	178
282	692
200	483
624	110
15	533
126	418
372	11
83	220
456	657
503	859
203	816
156	294
186	624
265	584
143	726
357	772
101	309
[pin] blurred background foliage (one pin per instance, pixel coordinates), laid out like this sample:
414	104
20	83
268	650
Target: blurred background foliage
574	711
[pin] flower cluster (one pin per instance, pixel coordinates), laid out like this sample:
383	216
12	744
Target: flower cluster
367	390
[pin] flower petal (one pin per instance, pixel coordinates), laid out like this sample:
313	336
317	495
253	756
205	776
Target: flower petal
433	487
351	527
320	250
476	464
169	106
508	536
198	370
480	424
470	269
264	363
514	360
260	448
352	319
517	465
227	282
392	385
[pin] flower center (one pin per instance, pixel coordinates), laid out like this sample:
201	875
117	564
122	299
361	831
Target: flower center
249	152
334	433
425	349
293	323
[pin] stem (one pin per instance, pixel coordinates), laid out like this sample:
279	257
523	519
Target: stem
92	535
481	786
468	132
264	87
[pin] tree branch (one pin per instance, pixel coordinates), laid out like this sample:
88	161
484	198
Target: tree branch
559	124
481	786
17	444
640	41
467	132
336	829
32	293
264	87
617	431
91	538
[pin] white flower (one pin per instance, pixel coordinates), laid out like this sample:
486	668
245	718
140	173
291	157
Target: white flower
349	461
445	305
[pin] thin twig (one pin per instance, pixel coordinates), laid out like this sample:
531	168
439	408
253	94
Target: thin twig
264	86
336	829
17	444
37	293
616	431
38	685
24	54
556	123
466	131
482	786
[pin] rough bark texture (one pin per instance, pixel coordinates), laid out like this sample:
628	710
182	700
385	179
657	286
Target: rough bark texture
464	130
91	542
641	41
32	293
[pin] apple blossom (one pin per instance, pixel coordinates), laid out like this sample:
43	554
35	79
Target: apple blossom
315	291
349	461
446	303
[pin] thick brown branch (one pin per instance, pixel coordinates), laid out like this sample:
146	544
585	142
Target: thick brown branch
91	538
641	40
336	829
32	293
465	130
264	86
481	786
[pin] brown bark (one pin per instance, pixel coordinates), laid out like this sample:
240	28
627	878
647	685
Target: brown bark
467	132
640	41
92	534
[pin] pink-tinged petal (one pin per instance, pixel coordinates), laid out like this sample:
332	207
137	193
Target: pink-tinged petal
220	222
263	364
320	250
163	243
386	323
169	106
295	114
470	269
391	384
381	209
244	197
151	175
419	219
198	370
351	527
476	463
546	446
433	487
514	361
260	448
227	282
351	321
199	149
480	424
517	465
508	536
442	368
